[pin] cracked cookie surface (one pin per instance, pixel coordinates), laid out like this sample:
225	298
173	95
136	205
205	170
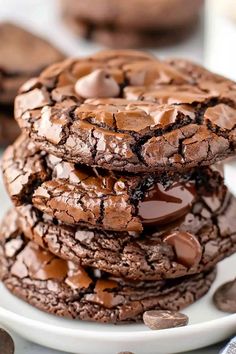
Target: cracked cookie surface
168	115
75	194
64	289
199	241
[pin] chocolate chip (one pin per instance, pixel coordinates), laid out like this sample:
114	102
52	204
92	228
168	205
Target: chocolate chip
97	84
6	343
187	248
225	297
158	319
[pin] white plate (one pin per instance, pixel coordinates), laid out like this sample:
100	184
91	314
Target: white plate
207	326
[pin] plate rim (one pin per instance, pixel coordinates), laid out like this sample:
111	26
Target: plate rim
190	329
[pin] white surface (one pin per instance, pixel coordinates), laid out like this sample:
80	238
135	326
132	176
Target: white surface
39	16
220	50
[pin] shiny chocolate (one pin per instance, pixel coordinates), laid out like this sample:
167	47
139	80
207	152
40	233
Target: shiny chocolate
161	206
187	248
102	295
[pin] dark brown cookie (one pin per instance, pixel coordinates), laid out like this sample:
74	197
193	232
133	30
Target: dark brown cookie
67	290
22	56
115	37
168	115
76	194
9	129
134	14
192	245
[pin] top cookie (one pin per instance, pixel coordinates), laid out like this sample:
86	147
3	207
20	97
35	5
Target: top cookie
22	56
128	111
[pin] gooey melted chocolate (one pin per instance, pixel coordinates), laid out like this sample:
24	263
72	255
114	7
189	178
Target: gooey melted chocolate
161	206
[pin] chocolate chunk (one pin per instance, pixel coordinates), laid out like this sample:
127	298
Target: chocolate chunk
79	279
103	295
161	206
187	248
143	114
225	297
164	319
97	84
6	343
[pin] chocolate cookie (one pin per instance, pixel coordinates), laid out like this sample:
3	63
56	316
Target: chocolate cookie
17	46
115	37
125	110
64	289
192	245
134	14
75	194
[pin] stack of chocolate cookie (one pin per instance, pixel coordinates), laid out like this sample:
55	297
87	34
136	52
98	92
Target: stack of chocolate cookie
133	23
22	56
117	210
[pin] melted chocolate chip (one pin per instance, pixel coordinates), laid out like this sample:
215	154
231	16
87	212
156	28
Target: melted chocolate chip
102	295
161	206
97	84
39	264
79	279
187	248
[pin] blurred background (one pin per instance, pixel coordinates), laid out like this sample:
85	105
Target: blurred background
211	42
